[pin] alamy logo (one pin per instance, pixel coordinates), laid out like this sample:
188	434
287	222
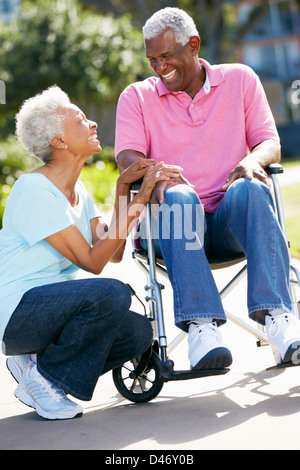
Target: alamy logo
168	222
2	92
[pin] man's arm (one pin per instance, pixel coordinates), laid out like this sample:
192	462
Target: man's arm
267	152
254	164
126	158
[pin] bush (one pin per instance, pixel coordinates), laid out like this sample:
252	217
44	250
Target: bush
100	181
14	161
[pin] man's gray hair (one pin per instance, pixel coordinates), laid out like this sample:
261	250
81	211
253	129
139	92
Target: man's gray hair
171	18
40	119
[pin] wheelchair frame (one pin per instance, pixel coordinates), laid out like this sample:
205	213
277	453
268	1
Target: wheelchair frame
158	358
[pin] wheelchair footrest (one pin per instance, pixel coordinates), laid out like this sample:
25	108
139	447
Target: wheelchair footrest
191	374
283	365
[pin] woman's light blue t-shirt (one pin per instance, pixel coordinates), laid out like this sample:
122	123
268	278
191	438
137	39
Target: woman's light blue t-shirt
36	209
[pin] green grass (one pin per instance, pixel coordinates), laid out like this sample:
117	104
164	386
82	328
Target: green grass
291	204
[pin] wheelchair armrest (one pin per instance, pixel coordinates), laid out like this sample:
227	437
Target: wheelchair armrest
274	169
135	187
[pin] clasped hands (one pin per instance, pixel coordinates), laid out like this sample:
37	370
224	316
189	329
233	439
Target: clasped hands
157	176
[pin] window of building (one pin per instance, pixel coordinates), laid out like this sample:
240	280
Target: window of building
278	20
279	61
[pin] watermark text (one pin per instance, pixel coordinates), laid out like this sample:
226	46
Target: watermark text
295	96
175	222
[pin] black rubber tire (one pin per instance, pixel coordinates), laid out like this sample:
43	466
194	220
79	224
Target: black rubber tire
143	388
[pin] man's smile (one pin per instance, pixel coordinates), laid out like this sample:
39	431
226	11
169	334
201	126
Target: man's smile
169	76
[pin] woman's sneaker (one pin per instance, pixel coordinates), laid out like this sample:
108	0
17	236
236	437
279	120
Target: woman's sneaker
48	401
283	333
17	364
206	347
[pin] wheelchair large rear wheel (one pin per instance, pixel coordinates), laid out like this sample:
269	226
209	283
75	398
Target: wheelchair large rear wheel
143	388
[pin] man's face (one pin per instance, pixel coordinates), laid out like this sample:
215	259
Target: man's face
176	65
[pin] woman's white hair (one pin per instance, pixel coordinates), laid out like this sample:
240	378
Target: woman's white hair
40	119
171	18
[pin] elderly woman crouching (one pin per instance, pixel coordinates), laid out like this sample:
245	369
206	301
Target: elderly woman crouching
63	333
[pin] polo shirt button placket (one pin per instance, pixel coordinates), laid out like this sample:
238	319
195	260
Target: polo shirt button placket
192	111
196	114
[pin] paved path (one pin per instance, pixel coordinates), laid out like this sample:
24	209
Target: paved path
248	408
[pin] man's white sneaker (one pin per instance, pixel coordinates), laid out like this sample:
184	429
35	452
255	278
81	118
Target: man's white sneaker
283	332
17	364
48	401
206	347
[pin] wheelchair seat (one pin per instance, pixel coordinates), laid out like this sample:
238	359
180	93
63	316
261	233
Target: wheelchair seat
214	263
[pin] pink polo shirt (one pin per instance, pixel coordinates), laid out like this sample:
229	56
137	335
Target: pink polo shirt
208	135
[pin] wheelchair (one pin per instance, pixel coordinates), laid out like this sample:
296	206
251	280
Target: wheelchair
142	379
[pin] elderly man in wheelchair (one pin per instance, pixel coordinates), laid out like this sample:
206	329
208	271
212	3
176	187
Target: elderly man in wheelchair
215	122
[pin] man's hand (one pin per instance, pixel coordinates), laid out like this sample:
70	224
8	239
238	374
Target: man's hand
252	166
158	195
155	175
247	168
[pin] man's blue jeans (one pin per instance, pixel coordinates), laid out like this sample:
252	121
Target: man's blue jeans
244	223
80	330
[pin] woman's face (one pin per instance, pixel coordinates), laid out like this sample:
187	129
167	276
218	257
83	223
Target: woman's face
80	134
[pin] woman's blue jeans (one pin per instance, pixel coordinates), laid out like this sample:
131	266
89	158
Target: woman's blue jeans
243	223
80	330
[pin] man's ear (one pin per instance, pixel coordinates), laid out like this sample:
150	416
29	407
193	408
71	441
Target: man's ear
195	44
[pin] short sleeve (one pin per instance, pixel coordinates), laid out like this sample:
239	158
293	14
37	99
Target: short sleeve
130	127
39	209
259	120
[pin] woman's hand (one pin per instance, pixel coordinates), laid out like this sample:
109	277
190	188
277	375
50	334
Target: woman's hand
135	171
153	173
159	173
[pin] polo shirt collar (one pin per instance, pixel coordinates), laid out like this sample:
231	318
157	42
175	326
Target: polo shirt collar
214	75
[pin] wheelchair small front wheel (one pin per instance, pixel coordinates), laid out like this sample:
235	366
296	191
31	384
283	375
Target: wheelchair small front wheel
143	388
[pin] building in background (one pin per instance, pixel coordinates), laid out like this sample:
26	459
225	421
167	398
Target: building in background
272	49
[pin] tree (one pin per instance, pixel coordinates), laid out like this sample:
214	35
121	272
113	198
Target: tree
220	28
91	56
217	20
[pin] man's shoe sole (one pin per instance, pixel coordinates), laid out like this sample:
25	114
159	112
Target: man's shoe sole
293	354
218	358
